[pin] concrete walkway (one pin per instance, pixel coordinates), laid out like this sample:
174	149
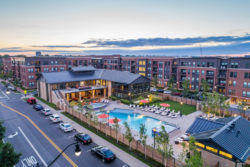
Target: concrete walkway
125	157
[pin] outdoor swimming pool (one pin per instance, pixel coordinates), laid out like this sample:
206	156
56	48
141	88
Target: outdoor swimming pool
96	105
134	120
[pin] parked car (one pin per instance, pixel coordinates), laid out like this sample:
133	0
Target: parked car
176	93
167	92
11	88
152	89
38	107
104	153
160	90
66	127
46	111
83	138
31	100
55	118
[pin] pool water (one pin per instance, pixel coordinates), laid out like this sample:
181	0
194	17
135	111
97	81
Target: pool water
134	120
96	105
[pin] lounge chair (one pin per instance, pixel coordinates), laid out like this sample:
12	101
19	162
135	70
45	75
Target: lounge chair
164	113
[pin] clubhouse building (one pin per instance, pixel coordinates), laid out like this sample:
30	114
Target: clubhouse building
84	82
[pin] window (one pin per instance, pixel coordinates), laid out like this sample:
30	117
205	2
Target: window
248	94
52	69
248	85
244	93
61	68
235	74
31	84
52	62
202	72
31	76
246	75
55	62
244	84
30	70
193	63
234	83
229	91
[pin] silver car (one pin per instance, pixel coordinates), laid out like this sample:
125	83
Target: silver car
46	111
55	118
66	127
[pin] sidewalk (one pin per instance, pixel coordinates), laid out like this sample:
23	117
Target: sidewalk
125	157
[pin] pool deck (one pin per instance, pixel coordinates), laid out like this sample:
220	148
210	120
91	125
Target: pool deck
182	123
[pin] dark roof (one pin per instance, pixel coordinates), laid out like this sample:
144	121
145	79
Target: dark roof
82	69
79	75
203	125
233	137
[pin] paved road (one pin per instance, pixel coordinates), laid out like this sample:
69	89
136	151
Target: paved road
33	145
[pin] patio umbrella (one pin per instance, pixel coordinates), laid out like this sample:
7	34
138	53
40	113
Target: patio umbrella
103	116
165	105
144	101
112	120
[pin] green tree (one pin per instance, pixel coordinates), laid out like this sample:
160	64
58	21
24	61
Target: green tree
163	146
185	86
171	83
116	125
143	136
195	159
128	134
155	82
242	106
8	156
215	103
204	86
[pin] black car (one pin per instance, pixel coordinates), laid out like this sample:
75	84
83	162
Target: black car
160	90
104	153
83	138
38	107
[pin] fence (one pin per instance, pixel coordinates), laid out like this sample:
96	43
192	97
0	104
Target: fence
135	145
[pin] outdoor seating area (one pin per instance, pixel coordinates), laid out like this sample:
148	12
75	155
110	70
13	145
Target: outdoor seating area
164	111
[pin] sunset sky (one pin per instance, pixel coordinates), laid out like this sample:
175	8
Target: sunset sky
135	27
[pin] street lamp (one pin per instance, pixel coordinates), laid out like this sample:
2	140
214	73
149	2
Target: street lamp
77	152
154	130
108	117
181	108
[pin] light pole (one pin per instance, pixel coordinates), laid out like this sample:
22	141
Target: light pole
108	117
181	109
154	130
77	152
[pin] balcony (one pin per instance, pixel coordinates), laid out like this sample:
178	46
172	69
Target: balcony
221	76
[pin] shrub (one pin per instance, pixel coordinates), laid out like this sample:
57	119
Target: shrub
125	101
140	98
113	98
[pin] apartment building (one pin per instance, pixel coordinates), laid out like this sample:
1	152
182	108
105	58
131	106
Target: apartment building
229	76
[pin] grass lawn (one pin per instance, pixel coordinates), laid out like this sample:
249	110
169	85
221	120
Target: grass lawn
185	108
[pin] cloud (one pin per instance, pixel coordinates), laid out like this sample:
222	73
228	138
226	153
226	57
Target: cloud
167	41
57	46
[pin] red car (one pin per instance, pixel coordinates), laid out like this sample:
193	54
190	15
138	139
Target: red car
31	100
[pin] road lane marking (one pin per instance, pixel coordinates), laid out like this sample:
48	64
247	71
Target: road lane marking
31	145
12	135
30	161
51	142
4	94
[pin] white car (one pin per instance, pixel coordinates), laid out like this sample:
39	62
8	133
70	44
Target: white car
55	118
167	91
66	127
46	111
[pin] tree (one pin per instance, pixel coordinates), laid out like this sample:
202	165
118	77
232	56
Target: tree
163	146
8	156
155	82
205	86
128	134
143	136
185	86
116	124
195	159
171	83
242	106
215	103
